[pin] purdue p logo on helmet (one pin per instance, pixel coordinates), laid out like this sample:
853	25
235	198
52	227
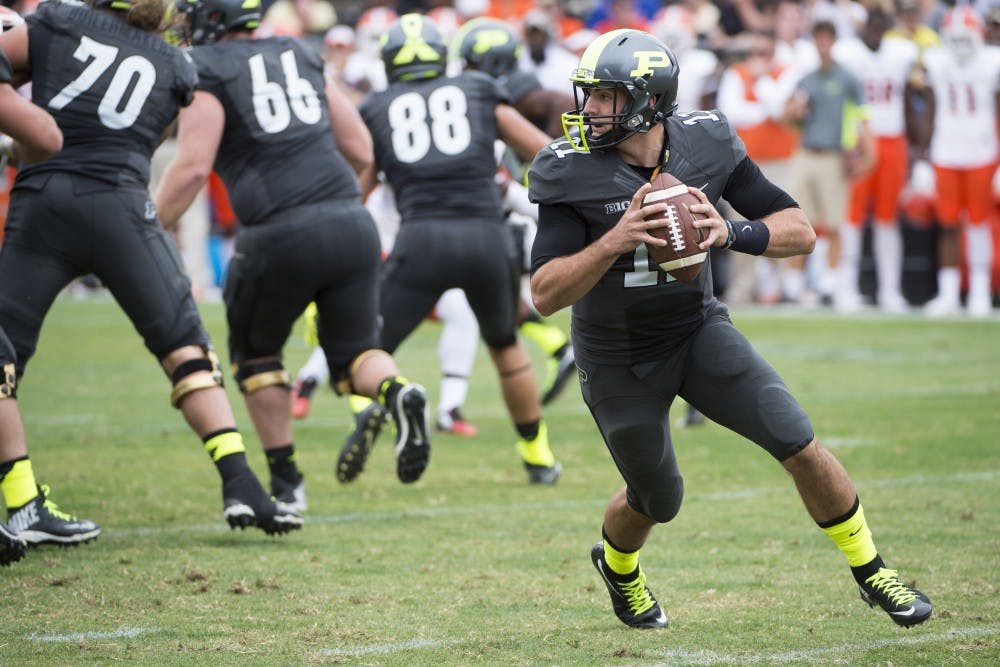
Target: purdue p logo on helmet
641	71
487	45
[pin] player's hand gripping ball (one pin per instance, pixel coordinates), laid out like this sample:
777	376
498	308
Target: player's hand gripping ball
681	257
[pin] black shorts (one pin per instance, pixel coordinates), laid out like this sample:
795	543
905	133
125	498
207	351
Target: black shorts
328	253
66	230
719	373
431	257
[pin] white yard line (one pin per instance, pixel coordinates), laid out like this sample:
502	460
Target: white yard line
124	632
706	658
381	649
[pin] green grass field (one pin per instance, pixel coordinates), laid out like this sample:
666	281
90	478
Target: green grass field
471	566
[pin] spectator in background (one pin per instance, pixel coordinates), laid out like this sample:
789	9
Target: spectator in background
339	44
364	71
614	14
698	78
846	16
829	107
910	25
544	56
791	48
753	93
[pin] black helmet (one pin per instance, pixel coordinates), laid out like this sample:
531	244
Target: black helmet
413	48
638	68
487	45
209	20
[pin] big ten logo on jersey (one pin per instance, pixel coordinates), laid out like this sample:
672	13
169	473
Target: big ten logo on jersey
614	207
274	103
439	121
647	62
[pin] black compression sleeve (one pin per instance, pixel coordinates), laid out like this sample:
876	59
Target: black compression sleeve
750	193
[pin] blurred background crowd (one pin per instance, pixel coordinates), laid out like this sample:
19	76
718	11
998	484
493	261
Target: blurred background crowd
878	116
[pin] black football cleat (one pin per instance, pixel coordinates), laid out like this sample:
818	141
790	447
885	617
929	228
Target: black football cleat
413	443
905	605
292	494
245	504
12	546
631	598
40	521
359	443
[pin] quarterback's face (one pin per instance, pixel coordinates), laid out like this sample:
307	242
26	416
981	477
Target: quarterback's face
599	102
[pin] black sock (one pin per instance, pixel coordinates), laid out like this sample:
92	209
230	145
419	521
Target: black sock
863	572
232	465
281	463
529	430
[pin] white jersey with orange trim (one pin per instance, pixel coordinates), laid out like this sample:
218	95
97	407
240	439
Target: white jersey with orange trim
883	75
965	117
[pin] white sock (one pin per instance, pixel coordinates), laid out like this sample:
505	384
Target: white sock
315	367
948	284
850	259
888	246
459	336
454	391
979	250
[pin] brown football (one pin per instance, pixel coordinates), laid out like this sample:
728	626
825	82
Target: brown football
681	257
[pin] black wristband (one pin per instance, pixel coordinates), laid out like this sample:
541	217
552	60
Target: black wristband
748	236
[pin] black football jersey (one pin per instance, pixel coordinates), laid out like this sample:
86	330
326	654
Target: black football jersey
434	142
113	90
278	149
634	312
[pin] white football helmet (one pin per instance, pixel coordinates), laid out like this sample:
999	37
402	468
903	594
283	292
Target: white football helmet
962	31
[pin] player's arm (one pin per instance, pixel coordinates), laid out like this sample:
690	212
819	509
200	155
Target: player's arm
349	129
519	133
562	276
775	225
199	131
33	133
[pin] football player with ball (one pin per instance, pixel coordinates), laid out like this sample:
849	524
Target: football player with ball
643	337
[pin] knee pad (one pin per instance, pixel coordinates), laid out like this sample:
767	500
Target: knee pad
251	377
8	383
661	505
342	383
195	374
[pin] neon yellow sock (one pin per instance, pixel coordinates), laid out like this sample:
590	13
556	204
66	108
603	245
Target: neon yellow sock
853	537
619	561
537	452
225	444
358	403
548	337
19	486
